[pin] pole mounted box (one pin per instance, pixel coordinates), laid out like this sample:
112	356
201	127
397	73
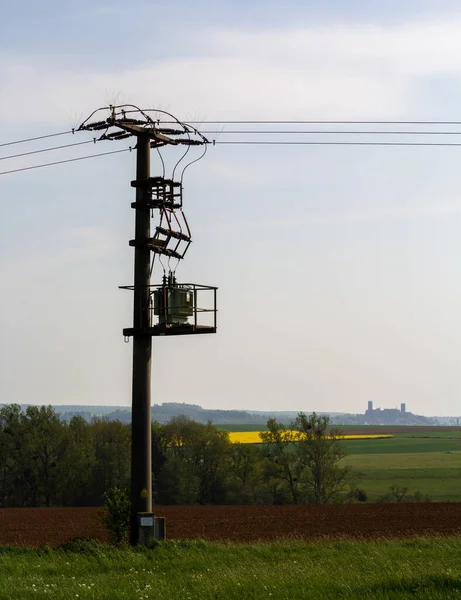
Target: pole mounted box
150	527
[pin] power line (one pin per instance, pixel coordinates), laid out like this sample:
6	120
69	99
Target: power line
319	122
329	132
261	122
40	137
47	149
277	143
237	142
60	162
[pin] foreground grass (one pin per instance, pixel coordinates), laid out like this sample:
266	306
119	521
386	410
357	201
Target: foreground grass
426	568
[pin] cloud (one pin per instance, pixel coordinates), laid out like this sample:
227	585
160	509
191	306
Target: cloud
318	72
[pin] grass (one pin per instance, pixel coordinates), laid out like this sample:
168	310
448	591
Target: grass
424	568
449	435
435	474
402	445
439	485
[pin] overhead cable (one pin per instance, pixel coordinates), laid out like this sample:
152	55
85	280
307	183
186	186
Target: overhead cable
69	160
33	139
277	143
244	142
47	149
319	122
329	132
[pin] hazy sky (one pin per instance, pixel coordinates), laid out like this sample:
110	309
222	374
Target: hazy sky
337	267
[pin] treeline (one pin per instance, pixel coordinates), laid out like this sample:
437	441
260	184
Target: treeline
46	461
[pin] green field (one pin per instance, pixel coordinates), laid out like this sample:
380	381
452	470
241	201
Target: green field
430	464
425	461
423	568
402	445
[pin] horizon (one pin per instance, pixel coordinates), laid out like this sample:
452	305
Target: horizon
243	410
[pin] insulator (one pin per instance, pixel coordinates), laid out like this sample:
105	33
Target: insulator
97	126
187	142
129	122
118	135
167	131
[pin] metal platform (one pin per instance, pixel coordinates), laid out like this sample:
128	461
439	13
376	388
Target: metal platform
176	309
162	330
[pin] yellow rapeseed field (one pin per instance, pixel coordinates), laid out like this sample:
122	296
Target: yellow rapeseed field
252	437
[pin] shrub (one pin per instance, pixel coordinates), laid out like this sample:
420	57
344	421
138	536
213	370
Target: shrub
116	515
400	494
356	495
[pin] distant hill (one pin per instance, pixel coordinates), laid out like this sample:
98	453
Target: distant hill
164	412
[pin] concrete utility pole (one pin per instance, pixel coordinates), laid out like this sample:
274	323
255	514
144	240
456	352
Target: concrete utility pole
141	432
175	304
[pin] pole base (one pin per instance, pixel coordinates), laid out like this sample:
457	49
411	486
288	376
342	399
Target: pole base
150	527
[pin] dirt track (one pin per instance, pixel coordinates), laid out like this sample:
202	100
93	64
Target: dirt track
54	526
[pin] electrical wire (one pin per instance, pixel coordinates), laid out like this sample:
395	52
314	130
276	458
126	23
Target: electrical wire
47	149
69	160
255	142
33	139
320	122
260	122
336	132
277	143
194	161
244	142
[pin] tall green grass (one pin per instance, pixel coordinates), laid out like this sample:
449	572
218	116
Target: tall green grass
423	568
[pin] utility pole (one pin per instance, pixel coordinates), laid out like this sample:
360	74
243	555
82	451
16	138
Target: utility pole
141	429
176	306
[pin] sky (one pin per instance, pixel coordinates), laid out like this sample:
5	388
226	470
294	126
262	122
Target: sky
337	266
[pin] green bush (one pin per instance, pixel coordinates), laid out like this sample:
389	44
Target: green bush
356	495
400	494
116	515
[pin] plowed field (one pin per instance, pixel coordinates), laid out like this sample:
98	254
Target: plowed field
54	526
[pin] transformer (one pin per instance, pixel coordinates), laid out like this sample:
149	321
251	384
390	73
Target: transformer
173	304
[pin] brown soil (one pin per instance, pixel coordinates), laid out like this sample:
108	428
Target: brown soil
54	526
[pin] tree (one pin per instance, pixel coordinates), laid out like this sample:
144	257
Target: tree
245	467
43	448
198	454
320	452
111	467
280	451
78	464
10	436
